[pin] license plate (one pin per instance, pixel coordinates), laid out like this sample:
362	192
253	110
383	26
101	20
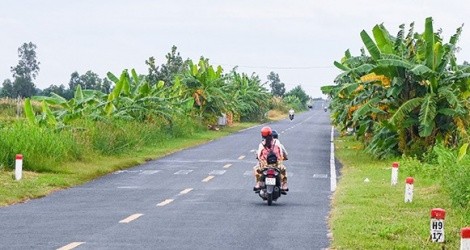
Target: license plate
270	181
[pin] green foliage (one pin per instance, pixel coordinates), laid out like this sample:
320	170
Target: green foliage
278	103
248	97
43	149
174	67
412	82
24	73
455	174
301	96
206	86
277	87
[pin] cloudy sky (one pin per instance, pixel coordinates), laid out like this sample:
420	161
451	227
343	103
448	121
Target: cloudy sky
298	39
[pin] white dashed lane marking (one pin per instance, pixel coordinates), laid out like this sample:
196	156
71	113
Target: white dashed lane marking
71	246
165	202
186	171
130	218
208	178
217	172
148	172
187	190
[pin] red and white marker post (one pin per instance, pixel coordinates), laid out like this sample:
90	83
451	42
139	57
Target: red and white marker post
18	167
465	238
409	189
395	173
437	224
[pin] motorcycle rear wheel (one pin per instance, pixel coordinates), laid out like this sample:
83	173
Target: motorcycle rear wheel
270	199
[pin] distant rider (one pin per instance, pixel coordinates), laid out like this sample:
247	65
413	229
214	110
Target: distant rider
291	114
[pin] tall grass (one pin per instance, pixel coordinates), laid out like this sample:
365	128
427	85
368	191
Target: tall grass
115	137
43	149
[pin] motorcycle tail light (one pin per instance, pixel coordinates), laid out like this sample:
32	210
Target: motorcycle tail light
271	172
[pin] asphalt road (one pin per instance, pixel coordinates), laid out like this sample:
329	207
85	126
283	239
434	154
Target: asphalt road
198	198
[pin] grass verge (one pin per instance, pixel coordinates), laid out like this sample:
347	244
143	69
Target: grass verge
369	213
35	185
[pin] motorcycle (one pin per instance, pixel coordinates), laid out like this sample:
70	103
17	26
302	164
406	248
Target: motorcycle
270	184
291	117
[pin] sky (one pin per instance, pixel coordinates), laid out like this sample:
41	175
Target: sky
299	40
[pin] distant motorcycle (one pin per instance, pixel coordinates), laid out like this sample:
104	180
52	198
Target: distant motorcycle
270	184
325	109
291	117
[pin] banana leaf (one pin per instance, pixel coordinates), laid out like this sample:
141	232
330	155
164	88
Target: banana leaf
341	66
394	62
426	115
48	115
363	69
382	37
28	111
370	45
404	109
421	70
462	152
429	39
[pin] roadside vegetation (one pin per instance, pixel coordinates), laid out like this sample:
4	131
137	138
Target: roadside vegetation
407	100
68	138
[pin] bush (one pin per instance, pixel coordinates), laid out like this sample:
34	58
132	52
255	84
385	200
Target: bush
455	175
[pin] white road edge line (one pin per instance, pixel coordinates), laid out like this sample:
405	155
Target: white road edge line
130	218
332	162
187	190
71	246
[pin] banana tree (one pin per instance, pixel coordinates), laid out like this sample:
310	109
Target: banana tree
135	98
132	98
206	86
410	85
248	97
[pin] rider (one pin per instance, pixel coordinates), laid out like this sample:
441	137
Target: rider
268	144
291	113
277	142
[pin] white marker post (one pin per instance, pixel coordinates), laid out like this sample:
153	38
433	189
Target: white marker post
394	173
437	224
409	189
18	167
465	238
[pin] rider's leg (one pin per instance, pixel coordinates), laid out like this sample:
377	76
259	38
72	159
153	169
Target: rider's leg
257	174
283	170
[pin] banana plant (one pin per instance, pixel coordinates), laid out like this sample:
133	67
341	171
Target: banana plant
248	97
135	98
406	84
207	87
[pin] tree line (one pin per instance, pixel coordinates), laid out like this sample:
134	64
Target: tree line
28	69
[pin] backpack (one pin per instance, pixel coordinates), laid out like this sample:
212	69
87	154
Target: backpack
272	157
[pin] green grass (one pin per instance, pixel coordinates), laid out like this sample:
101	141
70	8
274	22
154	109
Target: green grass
373	215
39	184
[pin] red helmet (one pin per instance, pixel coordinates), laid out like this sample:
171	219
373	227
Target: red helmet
266	131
